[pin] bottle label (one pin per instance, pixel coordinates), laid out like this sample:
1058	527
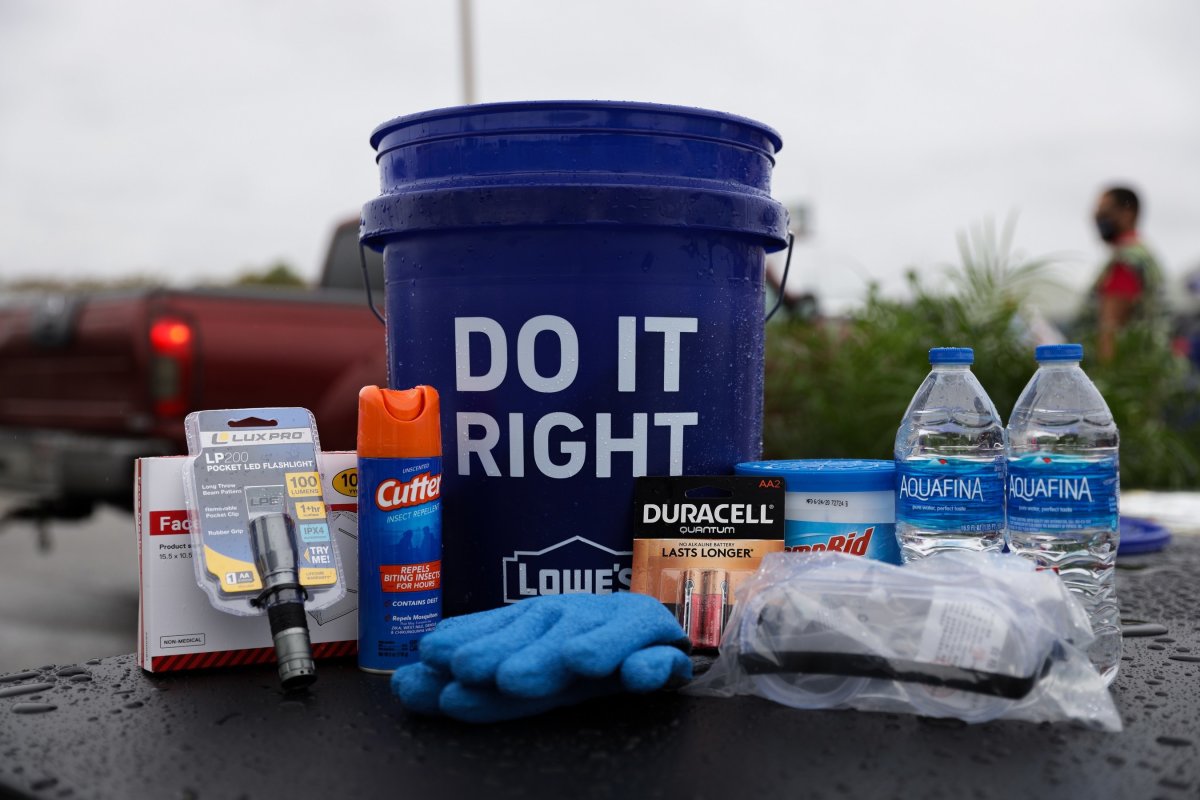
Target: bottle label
1057	492
951	494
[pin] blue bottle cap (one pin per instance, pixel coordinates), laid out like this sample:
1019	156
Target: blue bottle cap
1059	352
952	355
826	474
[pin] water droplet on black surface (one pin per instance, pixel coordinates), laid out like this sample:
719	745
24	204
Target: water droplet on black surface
33	708
26	688
1174	741
67	672
19	676
1175	783
1142	629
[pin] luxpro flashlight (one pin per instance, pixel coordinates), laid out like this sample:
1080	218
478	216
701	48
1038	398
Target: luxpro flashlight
273	540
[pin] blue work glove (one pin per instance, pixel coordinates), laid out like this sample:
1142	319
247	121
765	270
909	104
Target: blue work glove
428	690
538	647
544	653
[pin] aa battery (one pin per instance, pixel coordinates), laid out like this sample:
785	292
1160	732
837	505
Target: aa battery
704	594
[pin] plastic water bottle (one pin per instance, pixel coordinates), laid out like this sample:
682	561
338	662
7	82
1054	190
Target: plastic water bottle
1064	488
950	463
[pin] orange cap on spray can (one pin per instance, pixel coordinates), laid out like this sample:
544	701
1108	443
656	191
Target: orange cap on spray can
399	423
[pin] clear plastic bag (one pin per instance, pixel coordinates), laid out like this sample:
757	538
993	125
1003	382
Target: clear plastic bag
976	636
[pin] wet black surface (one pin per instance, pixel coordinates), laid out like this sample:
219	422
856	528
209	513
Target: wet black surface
105	729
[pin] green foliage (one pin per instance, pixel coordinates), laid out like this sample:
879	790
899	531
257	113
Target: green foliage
838	389
1152	395
279	274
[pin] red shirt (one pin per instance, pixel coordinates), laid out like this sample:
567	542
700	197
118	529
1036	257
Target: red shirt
1120	279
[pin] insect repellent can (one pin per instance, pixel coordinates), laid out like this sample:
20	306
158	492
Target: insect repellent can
399	524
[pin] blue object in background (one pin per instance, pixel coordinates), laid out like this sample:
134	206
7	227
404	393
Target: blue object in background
1142	536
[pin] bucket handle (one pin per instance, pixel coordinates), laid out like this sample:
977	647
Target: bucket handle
787	265
362	259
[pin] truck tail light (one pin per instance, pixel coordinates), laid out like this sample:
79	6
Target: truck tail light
171	365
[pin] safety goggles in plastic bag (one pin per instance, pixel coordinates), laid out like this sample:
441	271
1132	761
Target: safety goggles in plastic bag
976	636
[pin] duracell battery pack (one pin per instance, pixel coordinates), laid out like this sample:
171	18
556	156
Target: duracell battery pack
696	538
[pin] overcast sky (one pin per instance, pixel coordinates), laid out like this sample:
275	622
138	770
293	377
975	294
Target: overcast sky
198	139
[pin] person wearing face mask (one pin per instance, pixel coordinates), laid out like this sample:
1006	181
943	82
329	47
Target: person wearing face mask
1128	289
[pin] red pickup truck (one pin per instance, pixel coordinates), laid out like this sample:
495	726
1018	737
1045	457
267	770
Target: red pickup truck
88	383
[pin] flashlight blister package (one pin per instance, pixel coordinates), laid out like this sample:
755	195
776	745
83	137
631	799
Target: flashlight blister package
259	525
974	636
255	471
696	538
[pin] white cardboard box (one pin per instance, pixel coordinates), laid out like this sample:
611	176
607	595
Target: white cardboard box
177	626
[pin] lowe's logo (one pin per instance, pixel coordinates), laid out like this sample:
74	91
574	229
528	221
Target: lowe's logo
573	566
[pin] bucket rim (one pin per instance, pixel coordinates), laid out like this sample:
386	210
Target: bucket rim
479	109
396	215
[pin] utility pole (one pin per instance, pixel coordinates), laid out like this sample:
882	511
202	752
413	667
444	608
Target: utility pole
468	51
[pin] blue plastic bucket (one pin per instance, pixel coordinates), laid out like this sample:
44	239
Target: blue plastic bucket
582	282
